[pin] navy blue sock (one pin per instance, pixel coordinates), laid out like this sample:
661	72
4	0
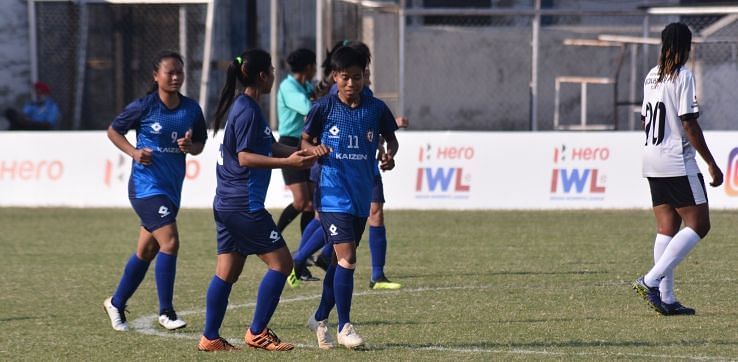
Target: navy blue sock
216	302
310	245
165	271
327	299
378	249
343	288
327	251
267	299
133	274
308	232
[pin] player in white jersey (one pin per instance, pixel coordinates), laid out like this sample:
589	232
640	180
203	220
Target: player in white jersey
669	116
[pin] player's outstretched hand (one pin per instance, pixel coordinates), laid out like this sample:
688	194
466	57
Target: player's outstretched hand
301	159
716	174
319	150
143	156
185	143
387	162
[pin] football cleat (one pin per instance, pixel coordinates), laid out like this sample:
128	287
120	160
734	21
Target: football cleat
117	316
214	345
170	321
384	283
266	340
302	273
293	280
651	295
677	308
348	337
325	341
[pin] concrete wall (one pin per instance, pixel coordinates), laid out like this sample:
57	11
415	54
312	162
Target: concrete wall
15	73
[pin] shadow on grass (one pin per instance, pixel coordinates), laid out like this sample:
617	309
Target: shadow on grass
19	318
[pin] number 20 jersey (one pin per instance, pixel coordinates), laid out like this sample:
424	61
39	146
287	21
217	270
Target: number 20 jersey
667	151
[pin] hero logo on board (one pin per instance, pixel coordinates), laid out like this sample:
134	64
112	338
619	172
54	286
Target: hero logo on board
576	173
443	172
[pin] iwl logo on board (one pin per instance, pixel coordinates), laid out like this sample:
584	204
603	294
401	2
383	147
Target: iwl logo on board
444	171
577	173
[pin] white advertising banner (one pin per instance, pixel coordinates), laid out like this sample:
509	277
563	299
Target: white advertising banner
435	170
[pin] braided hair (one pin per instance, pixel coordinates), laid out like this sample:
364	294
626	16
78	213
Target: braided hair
676	43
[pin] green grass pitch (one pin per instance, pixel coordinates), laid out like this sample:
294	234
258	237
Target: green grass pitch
477	285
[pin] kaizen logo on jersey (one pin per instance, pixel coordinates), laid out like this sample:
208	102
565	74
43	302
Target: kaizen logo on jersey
577	175
731	174
444	172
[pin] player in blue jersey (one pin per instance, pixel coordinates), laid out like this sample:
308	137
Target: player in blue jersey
168	126
313	239
349	124
244	227
293	104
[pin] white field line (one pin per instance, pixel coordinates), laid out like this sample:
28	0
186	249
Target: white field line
147	325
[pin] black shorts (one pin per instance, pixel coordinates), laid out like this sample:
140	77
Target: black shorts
293	175
342	227
155	211
246	233
378	190
678	192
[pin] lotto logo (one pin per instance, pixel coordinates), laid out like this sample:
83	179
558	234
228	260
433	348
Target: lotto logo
333	229
156	127
731	174
334	130
164	211
274	236
267	131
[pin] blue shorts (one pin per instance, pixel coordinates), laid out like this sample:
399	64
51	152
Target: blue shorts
155	211
342	228
378	190
247	233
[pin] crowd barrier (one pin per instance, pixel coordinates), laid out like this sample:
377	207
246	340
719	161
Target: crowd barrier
435	170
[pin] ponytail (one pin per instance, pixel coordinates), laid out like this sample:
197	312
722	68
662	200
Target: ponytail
245	69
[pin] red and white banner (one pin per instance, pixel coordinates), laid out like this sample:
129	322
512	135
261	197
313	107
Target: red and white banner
435	170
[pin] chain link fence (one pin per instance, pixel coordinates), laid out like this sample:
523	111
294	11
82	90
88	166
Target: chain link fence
469	65
459	65
97	57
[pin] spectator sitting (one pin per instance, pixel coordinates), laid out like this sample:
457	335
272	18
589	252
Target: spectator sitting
41	113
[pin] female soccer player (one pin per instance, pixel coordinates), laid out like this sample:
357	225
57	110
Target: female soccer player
377	230
168	126
293	104
244	227
350	124
669	115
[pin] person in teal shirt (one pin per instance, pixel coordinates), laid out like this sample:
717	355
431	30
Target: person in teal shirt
293	104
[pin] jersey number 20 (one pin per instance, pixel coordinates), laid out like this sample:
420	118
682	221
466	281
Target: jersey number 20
655	123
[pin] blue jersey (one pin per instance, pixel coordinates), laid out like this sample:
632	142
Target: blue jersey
364	92
347	173
158	128
243	188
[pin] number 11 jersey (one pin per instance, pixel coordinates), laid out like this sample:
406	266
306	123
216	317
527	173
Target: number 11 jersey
667	151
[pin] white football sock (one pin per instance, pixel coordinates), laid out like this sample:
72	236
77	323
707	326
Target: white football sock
677	249
666	287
